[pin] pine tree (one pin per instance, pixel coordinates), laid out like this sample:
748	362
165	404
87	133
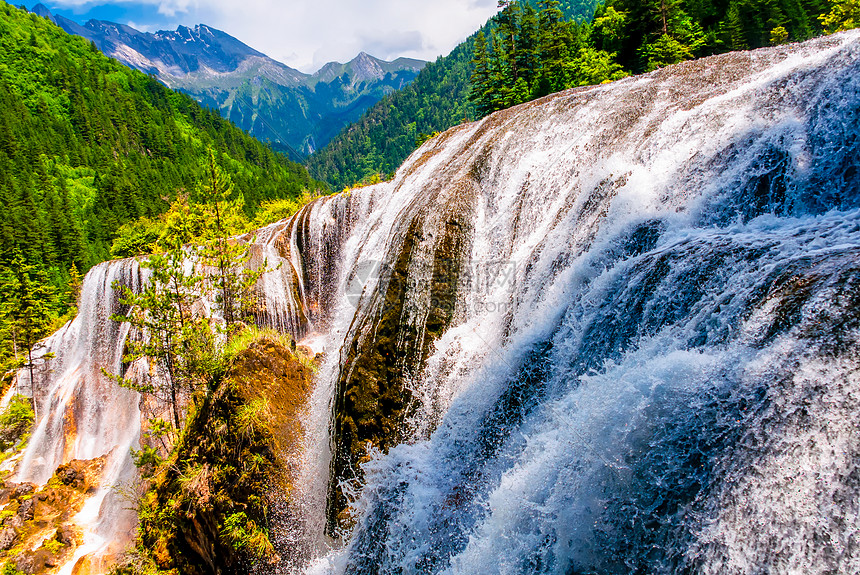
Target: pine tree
74	289
233	281
167	329
527	45
501	77
508	29
480	91
735	26
554	45
30	306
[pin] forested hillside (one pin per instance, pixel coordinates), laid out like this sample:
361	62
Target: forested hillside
436	100
87	145
531	54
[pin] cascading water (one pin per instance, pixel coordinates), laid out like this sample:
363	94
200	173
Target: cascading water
611	331
84	414
649	361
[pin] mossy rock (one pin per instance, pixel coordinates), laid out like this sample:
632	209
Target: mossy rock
387	350
207	511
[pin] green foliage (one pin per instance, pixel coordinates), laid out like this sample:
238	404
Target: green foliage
245	535
10	569
15	421
28	306
212	488
146	458
665	51
88	145
778	35
843	15
233	280
556	50
53	546
594	67
138	237
181	340
251	334
172	335
559	47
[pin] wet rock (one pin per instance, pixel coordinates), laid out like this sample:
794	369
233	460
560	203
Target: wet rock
27	509
5	492
22	489
70	476
272	381
25	562
7	538
65	534
81	474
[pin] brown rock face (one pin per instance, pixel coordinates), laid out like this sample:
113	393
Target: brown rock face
390	345
209	508
38	534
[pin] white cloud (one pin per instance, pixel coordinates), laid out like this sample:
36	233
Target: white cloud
141	27
308	33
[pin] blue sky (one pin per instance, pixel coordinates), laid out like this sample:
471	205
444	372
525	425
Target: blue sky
301	33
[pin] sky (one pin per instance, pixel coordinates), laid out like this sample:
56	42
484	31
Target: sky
304	34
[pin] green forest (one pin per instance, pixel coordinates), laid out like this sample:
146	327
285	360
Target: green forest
532	49
86	146
531	53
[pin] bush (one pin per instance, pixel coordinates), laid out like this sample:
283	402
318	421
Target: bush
16	421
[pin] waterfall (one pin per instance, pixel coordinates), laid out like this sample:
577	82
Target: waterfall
648	363
82	413
613	330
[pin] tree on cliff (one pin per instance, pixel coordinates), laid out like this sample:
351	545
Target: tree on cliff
175	332
170	335
232	283
28	308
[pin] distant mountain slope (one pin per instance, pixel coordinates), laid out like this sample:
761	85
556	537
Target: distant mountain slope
270	100
388	132
87	144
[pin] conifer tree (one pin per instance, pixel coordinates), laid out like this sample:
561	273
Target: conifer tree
501	76
30	306
508	30
554	43
480	91
168	332
232	280
527	45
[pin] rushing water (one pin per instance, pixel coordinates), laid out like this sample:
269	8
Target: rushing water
625	321
652	365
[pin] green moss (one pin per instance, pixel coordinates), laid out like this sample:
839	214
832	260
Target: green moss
15	423
373	399
207	509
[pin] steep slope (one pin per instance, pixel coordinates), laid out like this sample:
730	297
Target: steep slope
269	100
87	144
613	330
389	131
304	116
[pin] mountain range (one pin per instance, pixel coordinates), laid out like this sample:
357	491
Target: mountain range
296	112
